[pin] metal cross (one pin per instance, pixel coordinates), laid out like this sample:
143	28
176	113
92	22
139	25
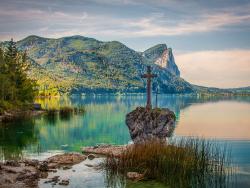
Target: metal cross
156	96
149	76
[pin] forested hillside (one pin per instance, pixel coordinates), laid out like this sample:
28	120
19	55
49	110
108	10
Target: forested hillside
84	65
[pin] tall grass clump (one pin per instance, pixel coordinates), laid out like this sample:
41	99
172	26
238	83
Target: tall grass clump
183	163
66	112
52	112
52	115
79	110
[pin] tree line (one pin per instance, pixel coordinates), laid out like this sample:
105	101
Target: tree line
16	89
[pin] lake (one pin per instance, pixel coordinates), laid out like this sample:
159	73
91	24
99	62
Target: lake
225	120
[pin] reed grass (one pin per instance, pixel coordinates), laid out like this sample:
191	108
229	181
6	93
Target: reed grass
66	111
52	115
52	112
79	110
183	163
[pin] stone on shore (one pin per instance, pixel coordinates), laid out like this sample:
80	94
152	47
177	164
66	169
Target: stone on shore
18	175
27	172
91	156
144	124
64	182
135	176
62	160
105	150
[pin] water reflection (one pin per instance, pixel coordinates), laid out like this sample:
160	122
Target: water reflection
50	119
104	122
16	136
221	120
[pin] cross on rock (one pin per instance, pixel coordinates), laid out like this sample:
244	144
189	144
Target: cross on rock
149	77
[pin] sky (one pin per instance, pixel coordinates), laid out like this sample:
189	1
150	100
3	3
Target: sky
210	39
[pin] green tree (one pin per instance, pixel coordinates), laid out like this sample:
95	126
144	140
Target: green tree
10	59
4	78
16	87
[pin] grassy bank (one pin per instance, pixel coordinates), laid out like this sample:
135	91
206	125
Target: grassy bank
185	163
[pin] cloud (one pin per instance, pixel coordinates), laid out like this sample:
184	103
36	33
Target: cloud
155	24
223	69
151	27
117	2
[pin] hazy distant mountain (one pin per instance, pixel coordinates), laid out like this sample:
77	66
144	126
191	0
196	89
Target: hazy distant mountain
214	90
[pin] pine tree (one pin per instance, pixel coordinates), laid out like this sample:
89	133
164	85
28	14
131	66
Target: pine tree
11	51
3	77
16	87
10	58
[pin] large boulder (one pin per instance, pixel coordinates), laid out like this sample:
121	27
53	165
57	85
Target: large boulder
147	124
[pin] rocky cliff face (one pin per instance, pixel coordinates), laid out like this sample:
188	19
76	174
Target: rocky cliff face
162	56
167	61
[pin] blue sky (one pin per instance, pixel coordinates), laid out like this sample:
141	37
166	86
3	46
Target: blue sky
205	35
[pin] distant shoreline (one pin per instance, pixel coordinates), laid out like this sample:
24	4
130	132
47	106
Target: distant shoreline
142	94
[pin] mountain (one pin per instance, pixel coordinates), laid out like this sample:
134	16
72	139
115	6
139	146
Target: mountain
80	64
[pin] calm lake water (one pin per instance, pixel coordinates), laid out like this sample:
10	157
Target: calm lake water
226	119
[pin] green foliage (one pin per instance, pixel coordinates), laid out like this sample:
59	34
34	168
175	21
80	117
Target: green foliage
16	88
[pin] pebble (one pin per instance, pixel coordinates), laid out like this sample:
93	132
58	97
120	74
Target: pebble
66	167
91	156
64	182
88	165
134	175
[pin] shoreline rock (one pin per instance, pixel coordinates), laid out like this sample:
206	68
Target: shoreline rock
115	150
63	160
135	176
27	172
